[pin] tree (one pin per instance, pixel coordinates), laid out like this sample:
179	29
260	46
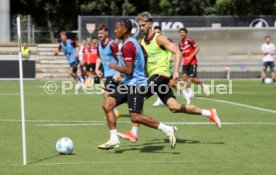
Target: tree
58	14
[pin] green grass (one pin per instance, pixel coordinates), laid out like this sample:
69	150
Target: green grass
201	149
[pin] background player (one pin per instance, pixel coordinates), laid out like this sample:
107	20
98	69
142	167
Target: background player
268	51
108	52
190	49
71	50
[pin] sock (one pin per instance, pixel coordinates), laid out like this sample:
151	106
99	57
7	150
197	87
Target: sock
190	90
134	130
206	113
263	80
185	93
114	135
166	129
274	80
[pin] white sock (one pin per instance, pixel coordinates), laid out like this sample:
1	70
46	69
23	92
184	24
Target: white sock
206	113
190	90
185	93
114	135
115	110
166	129
134	130
159	100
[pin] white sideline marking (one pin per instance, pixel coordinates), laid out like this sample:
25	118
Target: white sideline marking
239	104
128	162
75	124
103	122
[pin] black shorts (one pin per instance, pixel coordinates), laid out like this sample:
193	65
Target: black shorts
74	66
159	84
110	84
269	64
133	95
89	67
190	70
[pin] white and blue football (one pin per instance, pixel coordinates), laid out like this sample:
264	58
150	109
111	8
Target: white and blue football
64	145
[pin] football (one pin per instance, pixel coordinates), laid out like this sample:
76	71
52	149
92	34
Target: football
268	81
64	146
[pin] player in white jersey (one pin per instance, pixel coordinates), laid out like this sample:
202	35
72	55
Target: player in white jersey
268	51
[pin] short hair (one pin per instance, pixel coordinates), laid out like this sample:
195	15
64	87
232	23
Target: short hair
157	27
183	29
267	36
93	37
127	23
102	27
63	33
144	16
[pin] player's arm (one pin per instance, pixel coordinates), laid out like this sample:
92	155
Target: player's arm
192	56
128	69
128	53
115	50
162	41
75	44
58	50
272	52
98	63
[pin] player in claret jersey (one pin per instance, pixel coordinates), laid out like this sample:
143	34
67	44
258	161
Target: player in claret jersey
132	90
190	49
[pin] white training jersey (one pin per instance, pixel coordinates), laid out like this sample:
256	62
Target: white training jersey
267	48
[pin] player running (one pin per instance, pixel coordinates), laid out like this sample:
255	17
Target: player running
135	84
108	52
158	102
158	67
71	50
190	49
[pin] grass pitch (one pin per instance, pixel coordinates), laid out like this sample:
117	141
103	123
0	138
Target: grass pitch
245	145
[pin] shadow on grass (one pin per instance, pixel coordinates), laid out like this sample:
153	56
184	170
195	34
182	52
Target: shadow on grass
147	149
48	158
178	141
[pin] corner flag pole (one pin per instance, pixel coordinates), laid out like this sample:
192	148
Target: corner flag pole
21	92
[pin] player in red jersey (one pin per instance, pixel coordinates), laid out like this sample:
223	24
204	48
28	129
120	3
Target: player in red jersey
190	49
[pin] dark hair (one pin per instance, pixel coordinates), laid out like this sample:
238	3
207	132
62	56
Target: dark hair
102	27
267	36
157	27
183	29
93	37
127	23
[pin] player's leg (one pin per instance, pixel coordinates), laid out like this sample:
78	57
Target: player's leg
114	99
135	105
157	103
170	100
110	85
73	70
265	65
272	68
188	92
194	79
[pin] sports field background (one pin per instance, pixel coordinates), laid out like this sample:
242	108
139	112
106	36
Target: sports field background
245	145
